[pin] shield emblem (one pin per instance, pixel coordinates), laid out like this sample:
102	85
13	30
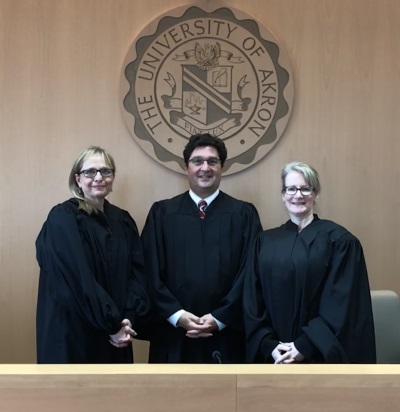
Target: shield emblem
206	94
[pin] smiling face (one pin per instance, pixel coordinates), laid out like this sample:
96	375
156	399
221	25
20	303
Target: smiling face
204	179
298	205
95	189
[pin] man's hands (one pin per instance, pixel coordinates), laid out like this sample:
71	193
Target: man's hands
197	327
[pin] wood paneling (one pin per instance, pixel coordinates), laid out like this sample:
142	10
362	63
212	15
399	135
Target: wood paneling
60	72
302	392
124	389
227	388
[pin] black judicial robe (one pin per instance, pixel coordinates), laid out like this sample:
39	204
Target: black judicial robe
91	277
310	288
195	264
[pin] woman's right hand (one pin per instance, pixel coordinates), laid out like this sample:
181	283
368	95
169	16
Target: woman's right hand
124	336
287	353
280	351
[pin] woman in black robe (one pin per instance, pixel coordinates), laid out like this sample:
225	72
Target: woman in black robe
306	293
92	299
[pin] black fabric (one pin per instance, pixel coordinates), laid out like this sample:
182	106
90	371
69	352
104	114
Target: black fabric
310	288
91	277
195	264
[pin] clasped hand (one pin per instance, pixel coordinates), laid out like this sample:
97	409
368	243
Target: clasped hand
124	336
197	327
286	353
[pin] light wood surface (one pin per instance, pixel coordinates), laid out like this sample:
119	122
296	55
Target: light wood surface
60	73
236	388
316	392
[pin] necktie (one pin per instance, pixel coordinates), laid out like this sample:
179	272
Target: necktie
202	207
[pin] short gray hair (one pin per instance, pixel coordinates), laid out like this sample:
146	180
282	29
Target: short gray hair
309	173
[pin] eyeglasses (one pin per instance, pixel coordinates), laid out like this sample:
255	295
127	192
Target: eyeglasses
199	161
91	173
305	190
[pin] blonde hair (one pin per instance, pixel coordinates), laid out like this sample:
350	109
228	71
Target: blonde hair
76	168
309	173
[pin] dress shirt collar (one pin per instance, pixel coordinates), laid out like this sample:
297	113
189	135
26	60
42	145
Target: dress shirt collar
196	199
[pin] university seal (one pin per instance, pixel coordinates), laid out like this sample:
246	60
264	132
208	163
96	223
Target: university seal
202	69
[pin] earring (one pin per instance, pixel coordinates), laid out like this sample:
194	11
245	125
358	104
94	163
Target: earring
80	191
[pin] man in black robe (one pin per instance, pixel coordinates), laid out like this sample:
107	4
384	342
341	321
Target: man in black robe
194	259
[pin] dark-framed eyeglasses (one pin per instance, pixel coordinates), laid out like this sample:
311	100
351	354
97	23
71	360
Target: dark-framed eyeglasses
199	161
305	190
91	173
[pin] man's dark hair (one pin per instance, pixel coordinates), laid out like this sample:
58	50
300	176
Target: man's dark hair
202	140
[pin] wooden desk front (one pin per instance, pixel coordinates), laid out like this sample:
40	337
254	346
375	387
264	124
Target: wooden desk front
207	388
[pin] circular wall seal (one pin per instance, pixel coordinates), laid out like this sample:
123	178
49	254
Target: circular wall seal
201	69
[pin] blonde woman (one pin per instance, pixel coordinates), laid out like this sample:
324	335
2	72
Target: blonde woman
306	293
92	298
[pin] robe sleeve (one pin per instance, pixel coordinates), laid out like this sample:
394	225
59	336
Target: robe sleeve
138	308
62	260
230	311
152	240
343	330
260	337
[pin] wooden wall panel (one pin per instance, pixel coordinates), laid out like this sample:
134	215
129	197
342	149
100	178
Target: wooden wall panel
60	70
